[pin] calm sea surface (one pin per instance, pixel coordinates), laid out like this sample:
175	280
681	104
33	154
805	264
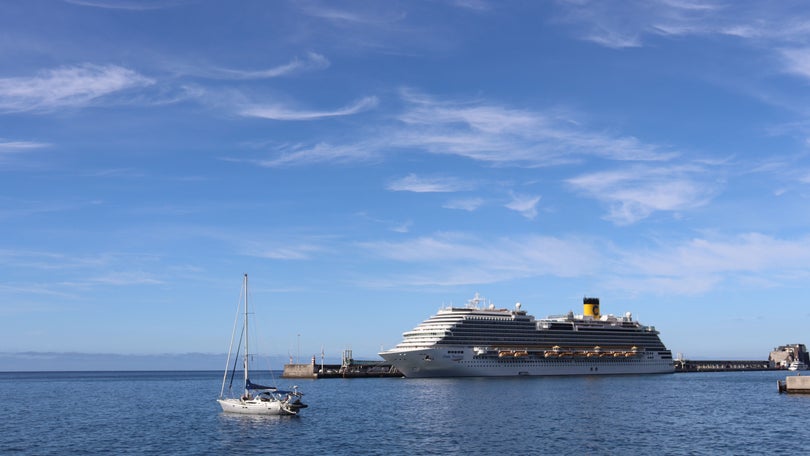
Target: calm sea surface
85	413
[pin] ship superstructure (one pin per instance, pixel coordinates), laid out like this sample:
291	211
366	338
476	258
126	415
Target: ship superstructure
478	340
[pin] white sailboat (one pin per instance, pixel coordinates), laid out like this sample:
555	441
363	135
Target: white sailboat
255	399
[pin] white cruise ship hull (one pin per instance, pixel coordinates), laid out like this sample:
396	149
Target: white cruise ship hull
463	362
476	341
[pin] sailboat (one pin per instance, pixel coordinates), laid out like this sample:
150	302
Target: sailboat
254	399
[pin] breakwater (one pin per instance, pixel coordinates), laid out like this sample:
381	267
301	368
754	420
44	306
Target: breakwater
352	368
356	369
722	365
794	384
348	368
360	369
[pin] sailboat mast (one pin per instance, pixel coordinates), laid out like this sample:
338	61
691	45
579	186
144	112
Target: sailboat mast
247	352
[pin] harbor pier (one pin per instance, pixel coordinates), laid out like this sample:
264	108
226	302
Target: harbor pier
352	368
683	365
348	368
794	384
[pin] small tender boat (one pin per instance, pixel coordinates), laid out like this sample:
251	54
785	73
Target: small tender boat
797	365
255	399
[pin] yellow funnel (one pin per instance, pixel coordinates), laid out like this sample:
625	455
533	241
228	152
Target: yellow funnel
590	307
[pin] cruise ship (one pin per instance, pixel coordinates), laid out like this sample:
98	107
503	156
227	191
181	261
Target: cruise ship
483	341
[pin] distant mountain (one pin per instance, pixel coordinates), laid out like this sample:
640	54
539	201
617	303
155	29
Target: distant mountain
54	361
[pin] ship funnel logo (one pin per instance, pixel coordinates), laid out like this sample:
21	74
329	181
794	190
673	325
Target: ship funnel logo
590	307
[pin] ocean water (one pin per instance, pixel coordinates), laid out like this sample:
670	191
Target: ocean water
175	413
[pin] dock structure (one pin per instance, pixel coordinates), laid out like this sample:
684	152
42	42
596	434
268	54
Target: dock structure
794	384
348	368
352	368
683	365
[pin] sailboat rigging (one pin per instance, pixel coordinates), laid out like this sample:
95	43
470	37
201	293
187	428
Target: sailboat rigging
255	399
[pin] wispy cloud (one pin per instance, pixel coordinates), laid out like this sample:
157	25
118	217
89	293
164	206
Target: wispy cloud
748	252
526	205
382	17
494	134
77	273
132	5
286	252
698	265
282	246
507	136
433	184
797	61
464	204
75	86
280	112
784	171
387	28
22	208
126	278
402	227
475	5
474	129
634	193
311	62
12	148
679	267
781	30
454	258
625	24
300	155
392	225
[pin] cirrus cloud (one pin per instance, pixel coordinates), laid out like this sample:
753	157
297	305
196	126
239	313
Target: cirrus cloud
311	62
421	184
526	205
454	258
634	193
11	147
280	112
67	87
476	130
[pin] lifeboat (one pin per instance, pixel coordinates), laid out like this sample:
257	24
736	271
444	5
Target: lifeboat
505	353
521	353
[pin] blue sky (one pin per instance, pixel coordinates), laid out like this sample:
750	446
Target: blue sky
369	162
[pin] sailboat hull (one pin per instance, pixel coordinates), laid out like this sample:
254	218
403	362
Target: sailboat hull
255	407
